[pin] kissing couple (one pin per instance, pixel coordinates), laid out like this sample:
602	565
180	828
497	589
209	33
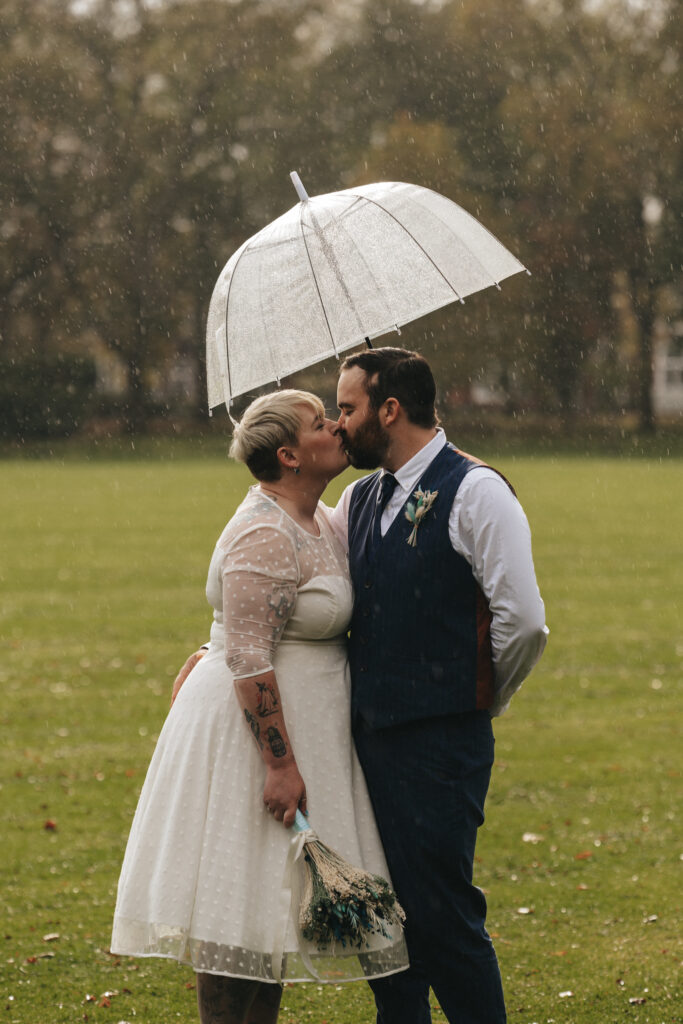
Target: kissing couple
356	659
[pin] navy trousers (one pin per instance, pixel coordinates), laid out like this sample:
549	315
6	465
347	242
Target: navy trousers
428	781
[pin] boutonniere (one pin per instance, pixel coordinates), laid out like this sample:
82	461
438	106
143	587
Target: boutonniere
415	512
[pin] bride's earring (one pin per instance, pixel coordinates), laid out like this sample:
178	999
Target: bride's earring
296	470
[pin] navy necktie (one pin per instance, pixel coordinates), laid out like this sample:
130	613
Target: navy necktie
386	489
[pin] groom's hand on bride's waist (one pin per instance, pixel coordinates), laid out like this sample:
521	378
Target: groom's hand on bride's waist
185	671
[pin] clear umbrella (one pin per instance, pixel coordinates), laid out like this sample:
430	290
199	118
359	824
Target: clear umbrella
338	269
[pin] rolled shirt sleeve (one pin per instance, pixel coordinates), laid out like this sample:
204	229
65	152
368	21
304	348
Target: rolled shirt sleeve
488	527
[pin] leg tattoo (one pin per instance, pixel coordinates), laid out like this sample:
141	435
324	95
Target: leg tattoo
266	1005
223	1000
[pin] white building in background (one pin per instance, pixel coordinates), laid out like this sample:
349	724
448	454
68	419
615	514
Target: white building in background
667	379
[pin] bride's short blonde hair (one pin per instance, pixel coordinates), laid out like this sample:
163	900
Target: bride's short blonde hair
268	423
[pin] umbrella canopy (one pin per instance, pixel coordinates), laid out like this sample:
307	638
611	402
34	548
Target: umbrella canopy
338	269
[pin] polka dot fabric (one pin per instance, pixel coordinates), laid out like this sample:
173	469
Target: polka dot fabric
202	878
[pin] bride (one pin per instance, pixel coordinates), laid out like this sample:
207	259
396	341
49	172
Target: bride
260	728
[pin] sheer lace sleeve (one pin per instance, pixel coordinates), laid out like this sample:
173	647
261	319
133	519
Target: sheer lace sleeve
260	573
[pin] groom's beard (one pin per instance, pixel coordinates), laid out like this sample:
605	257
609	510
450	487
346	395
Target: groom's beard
369	444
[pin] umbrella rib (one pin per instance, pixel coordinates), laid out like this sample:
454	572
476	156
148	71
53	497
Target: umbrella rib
227	303
315	279
495	239
246	246
421	247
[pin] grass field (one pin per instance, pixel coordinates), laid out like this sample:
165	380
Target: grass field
102	574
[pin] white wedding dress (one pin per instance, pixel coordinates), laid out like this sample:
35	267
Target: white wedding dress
205	875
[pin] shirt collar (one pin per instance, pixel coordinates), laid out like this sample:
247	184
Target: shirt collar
411	471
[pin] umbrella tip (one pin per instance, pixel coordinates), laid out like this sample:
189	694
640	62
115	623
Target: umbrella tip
300	190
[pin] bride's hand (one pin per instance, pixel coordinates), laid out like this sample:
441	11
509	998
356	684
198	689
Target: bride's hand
284	792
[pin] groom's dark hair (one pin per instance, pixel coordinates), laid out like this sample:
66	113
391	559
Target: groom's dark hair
398	373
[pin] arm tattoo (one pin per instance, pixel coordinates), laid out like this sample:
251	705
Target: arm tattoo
276	742
280	606
267	703
254	726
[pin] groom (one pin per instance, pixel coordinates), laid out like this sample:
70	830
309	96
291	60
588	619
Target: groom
447	623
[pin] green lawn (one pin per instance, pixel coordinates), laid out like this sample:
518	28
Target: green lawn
103	567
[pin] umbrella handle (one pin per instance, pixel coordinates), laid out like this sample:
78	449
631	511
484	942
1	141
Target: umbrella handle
300	190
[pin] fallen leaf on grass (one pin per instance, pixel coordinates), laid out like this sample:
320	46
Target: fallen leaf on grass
651	919
582	887
637	1000
560	952
532	837
525	910
584	855
566	995
50	825
51	937
104	1002
190	984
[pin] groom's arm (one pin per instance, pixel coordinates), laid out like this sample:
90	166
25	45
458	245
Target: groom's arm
186	669
338	516
488	526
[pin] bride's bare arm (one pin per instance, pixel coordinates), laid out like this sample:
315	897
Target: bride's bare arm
284	790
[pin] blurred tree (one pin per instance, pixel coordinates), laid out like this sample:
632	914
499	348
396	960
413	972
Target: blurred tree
144	142
188	97
598	134
174	127
533	117
44	152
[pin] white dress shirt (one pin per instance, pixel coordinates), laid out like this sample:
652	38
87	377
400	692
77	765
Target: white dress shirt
487	526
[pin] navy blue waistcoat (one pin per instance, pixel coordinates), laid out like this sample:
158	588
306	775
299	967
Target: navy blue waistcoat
420	641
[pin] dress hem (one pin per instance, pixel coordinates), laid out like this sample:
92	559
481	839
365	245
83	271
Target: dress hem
308	979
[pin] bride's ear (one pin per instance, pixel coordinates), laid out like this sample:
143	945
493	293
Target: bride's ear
287	459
